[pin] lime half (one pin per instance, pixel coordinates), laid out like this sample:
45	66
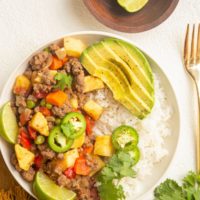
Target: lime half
8	123
132	5
46	189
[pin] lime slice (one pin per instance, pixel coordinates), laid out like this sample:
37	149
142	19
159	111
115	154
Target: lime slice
8	124
46	189
132	5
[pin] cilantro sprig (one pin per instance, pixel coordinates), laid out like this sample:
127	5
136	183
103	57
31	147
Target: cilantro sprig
63	81
119	166
170	189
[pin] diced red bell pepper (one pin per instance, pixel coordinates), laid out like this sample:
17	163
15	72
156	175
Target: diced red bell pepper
25	143
81	167
32	133
70	173
89	125
24	139
45	111
40	95
38	161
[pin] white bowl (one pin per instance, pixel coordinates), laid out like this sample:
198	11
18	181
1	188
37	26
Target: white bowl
171	142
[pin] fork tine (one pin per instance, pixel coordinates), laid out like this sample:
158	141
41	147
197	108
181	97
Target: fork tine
186	47
198	46
193	53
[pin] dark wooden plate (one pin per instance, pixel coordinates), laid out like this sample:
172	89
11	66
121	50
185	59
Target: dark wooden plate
112	15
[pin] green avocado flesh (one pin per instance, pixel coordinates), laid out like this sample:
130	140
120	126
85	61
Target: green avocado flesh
125	70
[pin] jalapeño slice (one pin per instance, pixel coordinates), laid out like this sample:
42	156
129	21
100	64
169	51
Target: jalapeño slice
73	125
123	136
58	142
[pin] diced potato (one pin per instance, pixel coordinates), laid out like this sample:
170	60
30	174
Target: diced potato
61	53
93	109
74	47
38	77
39	123
103	146
92	83
22	85
74	102
78	142
25	157
68	160
99	165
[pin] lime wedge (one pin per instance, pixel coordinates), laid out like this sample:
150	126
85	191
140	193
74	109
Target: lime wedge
46	189
8	123
132	5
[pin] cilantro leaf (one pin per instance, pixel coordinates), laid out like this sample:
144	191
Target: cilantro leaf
109	191
170	190
191	186
107	174
125	171
63	81
119	166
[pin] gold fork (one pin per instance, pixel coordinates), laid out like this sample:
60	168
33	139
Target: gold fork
192	66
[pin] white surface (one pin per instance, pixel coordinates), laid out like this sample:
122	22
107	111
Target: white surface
26	24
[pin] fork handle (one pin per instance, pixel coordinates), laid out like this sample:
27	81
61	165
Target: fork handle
198	129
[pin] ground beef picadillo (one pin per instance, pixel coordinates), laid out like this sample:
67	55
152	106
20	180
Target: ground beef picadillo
62	110
74	67
84	186
41	61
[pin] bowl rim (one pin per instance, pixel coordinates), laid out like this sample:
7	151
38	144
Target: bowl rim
129	29
104	34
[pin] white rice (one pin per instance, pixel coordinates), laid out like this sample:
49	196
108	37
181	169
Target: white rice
152	131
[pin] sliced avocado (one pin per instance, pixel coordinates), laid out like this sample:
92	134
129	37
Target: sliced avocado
144	98
138	81
125	70
134	59
111	80
102	62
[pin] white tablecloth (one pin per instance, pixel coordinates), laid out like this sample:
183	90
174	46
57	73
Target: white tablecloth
26	24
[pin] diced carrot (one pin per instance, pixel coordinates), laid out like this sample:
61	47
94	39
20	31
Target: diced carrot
56	64
57	98
81	167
